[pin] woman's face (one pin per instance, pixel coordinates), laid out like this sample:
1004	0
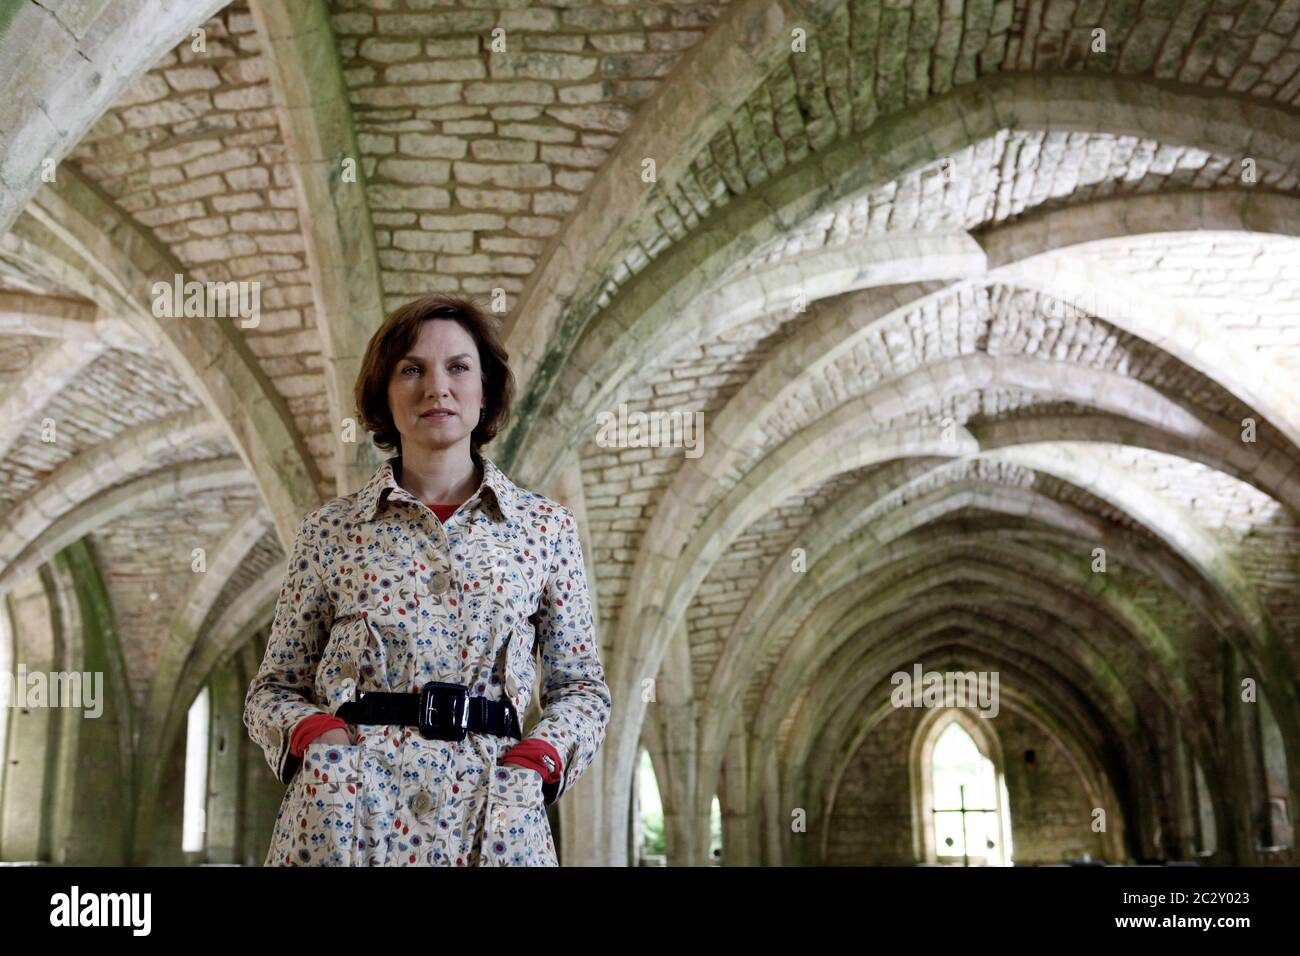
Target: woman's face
440	370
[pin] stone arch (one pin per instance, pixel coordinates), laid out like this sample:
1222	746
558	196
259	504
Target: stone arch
775	583
888	555
668	291
1116	694
85	476
154	488
873	654
1092	774
66	68
236	625
1095	756
717	76
210	356
824	766
852	682
788	469
836	596
244	534
316	117
671	515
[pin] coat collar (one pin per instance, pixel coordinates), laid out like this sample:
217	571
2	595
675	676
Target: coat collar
496	493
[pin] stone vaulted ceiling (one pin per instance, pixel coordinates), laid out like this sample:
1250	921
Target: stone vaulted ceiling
961	299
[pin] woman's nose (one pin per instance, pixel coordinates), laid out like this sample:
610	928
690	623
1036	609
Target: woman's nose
439	385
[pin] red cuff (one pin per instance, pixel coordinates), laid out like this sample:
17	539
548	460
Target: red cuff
539	755
309	728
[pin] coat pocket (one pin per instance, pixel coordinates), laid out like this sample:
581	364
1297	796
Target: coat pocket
325	826
516	665
517	832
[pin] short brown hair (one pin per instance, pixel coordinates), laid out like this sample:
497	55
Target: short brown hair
395	338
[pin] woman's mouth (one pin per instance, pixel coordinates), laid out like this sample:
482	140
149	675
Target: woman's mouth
433	415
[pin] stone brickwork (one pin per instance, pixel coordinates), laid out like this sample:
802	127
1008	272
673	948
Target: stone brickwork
195	153
872	816
1247	286
882	58
1009	175
264	559
146	563
474	157
114	394
873	819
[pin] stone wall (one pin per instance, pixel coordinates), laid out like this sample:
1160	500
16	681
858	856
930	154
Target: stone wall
872	820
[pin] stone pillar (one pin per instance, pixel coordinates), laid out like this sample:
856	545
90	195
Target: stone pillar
1244	779
674	714
1184	796
66	715
1168	808
582	836
775	817
737	818
1207	828
585	840
1280	825
261	793
95	828
225	767
31	738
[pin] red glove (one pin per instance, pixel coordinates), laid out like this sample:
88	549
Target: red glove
537	754
309	728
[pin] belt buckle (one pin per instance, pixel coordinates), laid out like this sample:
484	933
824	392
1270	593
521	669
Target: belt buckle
444	711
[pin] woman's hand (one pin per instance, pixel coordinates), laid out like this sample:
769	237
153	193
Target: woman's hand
337	737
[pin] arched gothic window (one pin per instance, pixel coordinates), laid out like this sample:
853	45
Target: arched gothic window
961	816
194	827
648	814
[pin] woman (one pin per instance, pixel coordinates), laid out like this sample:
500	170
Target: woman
404	645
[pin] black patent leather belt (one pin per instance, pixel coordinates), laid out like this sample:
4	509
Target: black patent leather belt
442	711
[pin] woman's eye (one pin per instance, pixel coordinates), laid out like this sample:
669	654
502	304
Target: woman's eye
411	368
461	365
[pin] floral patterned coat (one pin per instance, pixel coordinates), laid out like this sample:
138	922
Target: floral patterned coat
379	595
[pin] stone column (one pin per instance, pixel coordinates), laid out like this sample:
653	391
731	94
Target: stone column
261	794
737	819
1280	825
1244	779
774	817
90	825
1184	796
583	830
225	766
30	740
674	710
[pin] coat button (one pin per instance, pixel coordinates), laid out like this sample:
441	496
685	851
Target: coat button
348	671
440	582
422	803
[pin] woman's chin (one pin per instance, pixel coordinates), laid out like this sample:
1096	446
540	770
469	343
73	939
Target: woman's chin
436	437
